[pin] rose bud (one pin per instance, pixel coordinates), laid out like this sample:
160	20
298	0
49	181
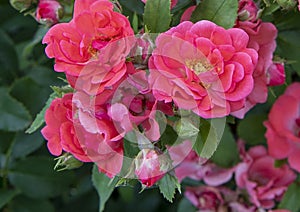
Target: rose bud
49	12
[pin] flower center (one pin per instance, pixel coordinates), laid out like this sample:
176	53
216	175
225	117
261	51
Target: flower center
198	66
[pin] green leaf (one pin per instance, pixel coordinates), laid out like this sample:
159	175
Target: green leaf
289	47
25	204
104	186
136	6
226	154
168	185
186	206
60	91
169	136
208	138
290	199
8	59
20	27
6	196
13	115
35	177
251	128
26	144
157	16
6	139
39	119
131	148
221	12
39	34
30	94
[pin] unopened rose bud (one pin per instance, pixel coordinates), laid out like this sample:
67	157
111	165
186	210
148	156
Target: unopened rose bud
150	166
276	74
67	162
49	12
287	4
21	5
247	10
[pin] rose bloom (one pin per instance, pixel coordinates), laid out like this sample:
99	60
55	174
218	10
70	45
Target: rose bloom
48	12
205	198
59	129
258	175
134	105
217	199
149	166
283	127
262	38
188	164
97	78
68	128
92	35
201	67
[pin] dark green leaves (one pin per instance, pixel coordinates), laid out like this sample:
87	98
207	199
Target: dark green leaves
8	59
208	139
291	198
226	154
13	114
36	178
104	186
251	128
185	206
157	16
168	185
221	12
39	119
6	196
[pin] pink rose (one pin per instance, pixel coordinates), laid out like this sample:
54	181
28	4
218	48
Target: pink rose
70	128
276	74
283	127
205	198
91	36
96	78
96	131
201	67
219	199
247	10
258	175
188	164
148	167
60	131
262	37
48	12
134	105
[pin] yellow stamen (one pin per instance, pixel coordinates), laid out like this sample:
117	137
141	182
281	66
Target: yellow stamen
198	66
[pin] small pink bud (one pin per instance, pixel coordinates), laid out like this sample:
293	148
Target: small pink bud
247	10
49	12
276	74
149	166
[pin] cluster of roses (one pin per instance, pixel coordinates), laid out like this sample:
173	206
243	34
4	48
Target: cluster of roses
121	81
